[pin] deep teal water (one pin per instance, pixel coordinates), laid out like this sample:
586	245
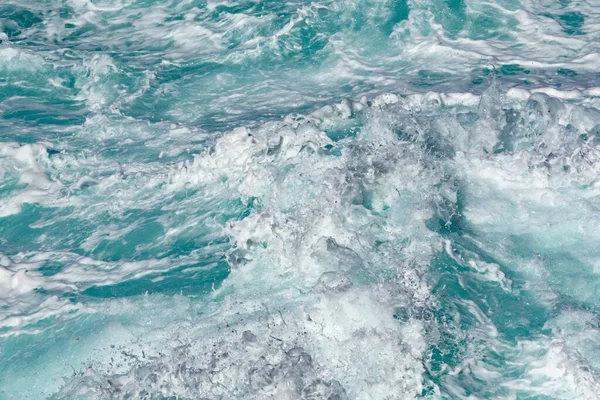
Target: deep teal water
388	199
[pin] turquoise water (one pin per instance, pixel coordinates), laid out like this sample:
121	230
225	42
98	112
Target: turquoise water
394	199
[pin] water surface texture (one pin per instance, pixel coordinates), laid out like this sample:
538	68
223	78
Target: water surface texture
326	200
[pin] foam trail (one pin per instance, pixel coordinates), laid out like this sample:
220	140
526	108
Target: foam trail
296	200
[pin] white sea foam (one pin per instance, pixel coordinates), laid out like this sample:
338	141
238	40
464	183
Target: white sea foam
336	245
342	220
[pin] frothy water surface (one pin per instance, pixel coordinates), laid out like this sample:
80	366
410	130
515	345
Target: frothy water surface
299	200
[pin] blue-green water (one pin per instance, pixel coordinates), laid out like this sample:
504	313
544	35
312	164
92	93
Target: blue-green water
388	199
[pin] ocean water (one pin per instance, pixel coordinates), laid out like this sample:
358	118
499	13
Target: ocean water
336	200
